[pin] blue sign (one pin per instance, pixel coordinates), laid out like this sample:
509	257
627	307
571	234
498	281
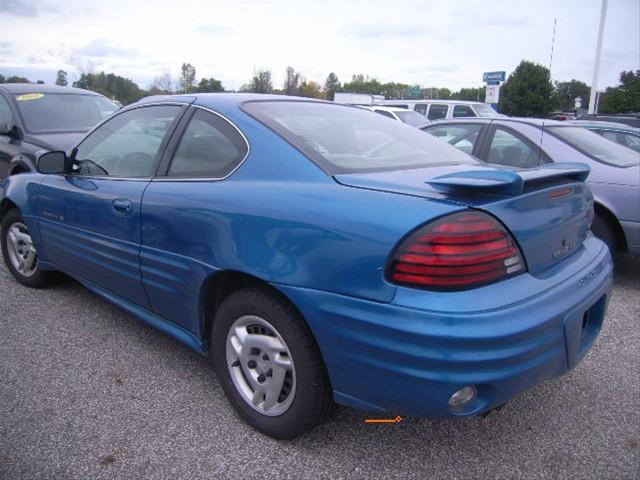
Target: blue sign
493	76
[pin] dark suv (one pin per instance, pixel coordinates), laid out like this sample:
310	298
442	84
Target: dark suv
35	117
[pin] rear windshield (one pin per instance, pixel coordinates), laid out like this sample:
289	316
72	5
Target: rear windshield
485	110
596	147
62	112
411	117
344	139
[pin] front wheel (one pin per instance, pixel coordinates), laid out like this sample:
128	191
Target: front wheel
19	253
268	364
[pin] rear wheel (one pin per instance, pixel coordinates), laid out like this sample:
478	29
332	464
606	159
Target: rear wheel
19	253
268	364
603	229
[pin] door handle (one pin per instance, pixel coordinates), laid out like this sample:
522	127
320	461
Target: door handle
122	206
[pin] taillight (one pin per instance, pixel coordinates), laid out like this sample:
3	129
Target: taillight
457	252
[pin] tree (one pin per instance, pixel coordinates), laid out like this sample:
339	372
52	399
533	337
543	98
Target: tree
163	84
110	85
528	91
363	84
310	89
623	98
209	85
472	94
40	82
436	93
261	82
331	86
567	92
2	79
61	78
17	79
187	77
291	82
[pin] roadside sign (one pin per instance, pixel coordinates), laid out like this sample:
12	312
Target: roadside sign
414	91
493	76
492	94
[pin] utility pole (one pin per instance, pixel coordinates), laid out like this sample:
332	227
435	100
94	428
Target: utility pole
596	65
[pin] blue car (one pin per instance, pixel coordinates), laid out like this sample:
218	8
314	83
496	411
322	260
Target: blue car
320	253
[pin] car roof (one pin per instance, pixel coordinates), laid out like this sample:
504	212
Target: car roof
602	124
226	99
43	88
538	122
390	109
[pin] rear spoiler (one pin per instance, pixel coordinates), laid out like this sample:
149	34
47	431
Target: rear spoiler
509	182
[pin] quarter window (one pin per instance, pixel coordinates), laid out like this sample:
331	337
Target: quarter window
508	149
421	108
209	147
437	111
463	111
128	144
463	137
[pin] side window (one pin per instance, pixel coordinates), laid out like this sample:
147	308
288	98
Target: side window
210	147
5	113
128	144
463	137
437	111
609	135
421	108
463	111
508	149
386	114
631	141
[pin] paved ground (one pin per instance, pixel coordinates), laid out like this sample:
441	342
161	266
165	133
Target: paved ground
88	391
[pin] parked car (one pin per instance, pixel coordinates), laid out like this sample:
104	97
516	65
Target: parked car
403	115
36	116
631	119
530	143
439	109
616	132
317	252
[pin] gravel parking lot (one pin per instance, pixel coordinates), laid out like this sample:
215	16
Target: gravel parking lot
87	391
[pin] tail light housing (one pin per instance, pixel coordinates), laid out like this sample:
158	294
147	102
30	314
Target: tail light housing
457	252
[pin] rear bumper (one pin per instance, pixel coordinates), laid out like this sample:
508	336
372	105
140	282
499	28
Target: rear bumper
403	359
632	234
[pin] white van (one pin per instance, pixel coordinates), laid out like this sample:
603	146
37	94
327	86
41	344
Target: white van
439	109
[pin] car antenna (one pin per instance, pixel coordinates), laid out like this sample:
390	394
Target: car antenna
553	42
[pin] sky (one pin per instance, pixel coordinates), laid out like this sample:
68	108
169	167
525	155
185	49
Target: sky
428	43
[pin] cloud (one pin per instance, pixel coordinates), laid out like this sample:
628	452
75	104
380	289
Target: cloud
6	49
212	29
386	31
102	47
19	8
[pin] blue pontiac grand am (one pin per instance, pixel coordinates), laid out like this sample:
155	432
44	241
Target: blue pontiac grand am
320	253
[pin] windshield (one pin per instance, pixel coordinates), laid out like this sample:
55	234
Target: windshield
62	112
346	139
596	147
411	118
485	110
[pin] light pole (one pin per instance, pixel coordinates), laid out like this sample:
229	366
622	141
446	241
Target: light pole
596	66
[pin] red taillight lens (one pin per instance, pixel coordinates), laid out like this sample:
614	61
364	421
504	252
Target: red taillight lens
457	252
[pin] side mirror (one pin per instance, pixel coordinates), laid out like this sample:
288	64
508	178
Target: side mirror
13	131
53	162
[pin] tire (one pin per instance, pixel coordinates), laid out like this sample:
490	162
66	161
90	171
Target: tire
259	340
603	229
18	249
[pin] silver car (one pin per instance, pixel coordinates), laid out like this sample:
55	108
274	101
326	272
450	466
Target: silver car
528	143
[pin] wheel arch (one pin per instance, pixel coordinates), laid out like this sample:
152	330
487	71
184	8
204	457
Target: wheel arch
219	285
5	206
607	214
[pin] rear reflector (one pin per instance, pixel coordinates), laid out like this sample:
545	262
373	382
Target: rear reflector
457	252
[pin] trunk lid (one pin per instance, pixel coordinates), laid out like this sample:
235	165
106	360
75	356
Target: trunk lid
548	210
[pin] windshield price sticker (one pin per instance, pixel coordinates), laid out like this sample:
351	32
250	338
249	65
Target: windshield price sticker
29	96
